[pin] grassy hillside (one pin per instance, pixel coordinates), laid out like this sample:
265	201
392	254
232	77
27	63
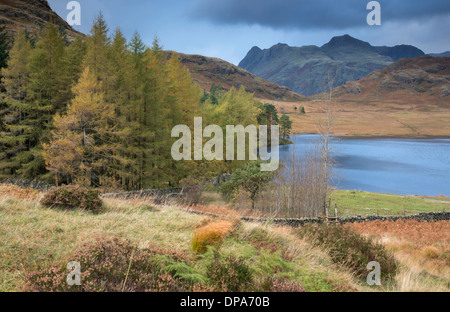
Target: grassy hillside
409	98
34	237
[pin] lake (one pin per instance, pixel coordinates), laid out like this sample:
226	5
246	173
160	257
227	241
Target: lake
397	166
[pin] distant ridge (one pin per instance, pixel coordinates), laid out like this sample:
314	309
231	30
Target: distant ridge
443	54
424	77
305	69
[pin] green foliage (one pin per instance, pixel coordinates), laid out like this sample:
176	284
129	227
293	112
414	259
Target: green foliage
18	133
350	249
229	274
249	178
303	110
268	115
4	47
73	197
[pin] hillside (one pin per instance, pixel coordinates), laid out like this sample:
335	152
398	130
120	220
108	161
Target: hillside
446	54
408	98
305	69
276	258
31	15
207	70
424	77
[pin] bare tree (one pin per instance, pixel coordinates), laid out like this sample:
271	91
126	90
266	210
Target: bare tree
301	186
325	129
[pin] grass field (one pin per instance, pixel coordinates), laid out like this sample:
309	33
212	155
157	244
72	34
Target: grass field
351	203
422	247
371	117
33	237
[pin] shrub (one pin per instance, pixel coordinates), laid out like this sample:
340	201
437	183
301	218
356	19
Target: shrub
115	265
260	238
249	178
284	285
192	191
73	197
212	234
350	249
229	274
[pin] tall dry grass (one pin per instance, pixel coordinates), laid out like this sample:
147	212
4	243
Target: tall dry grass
423	249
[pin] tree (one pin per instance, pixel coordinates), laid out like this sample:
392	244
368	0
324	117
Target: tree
4	47
268	116
97	53
79	150
72	67
250	179
17	134
286	126
238	107
45	88
303	110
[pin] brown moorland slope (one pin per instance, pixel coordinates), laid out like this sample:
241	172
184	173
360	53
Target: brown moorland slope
208	70
409	98
31	15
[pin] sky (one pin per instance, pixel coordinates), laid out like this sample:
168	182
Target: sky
228	29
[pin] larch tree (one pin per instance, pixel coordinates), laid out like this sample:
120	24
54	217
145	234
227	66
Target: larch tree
97	54
79	150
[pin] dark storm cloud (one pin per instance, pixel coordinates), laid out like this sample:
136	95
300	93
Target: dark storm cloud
301	14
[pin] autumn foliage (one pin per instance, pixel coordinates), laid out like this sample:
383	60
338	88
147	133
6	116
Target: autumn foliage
211	234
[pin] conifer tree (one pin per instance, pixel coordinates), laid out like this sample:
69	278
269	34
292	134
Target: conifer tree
16	136
97	54
4	47
44	90
72	67
80	150
286	126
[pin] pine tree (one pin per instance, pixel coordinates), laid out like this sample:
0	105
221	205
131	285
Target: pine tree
44	90
97	54
80	150
4	47
72	67
16	137
286	126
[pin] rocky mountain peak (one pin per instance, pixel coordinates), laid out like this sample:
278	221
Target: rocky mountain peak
345	41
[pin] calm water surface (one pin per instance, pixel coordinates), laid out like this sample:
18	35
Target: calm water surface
398	166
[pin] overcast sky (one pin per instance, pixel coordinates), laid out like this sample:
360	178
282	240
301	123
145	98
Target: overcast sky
229	28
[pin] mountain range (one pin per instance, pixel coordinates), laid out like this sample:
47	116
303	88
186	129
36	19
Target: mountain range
306	69
445	54
210	70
